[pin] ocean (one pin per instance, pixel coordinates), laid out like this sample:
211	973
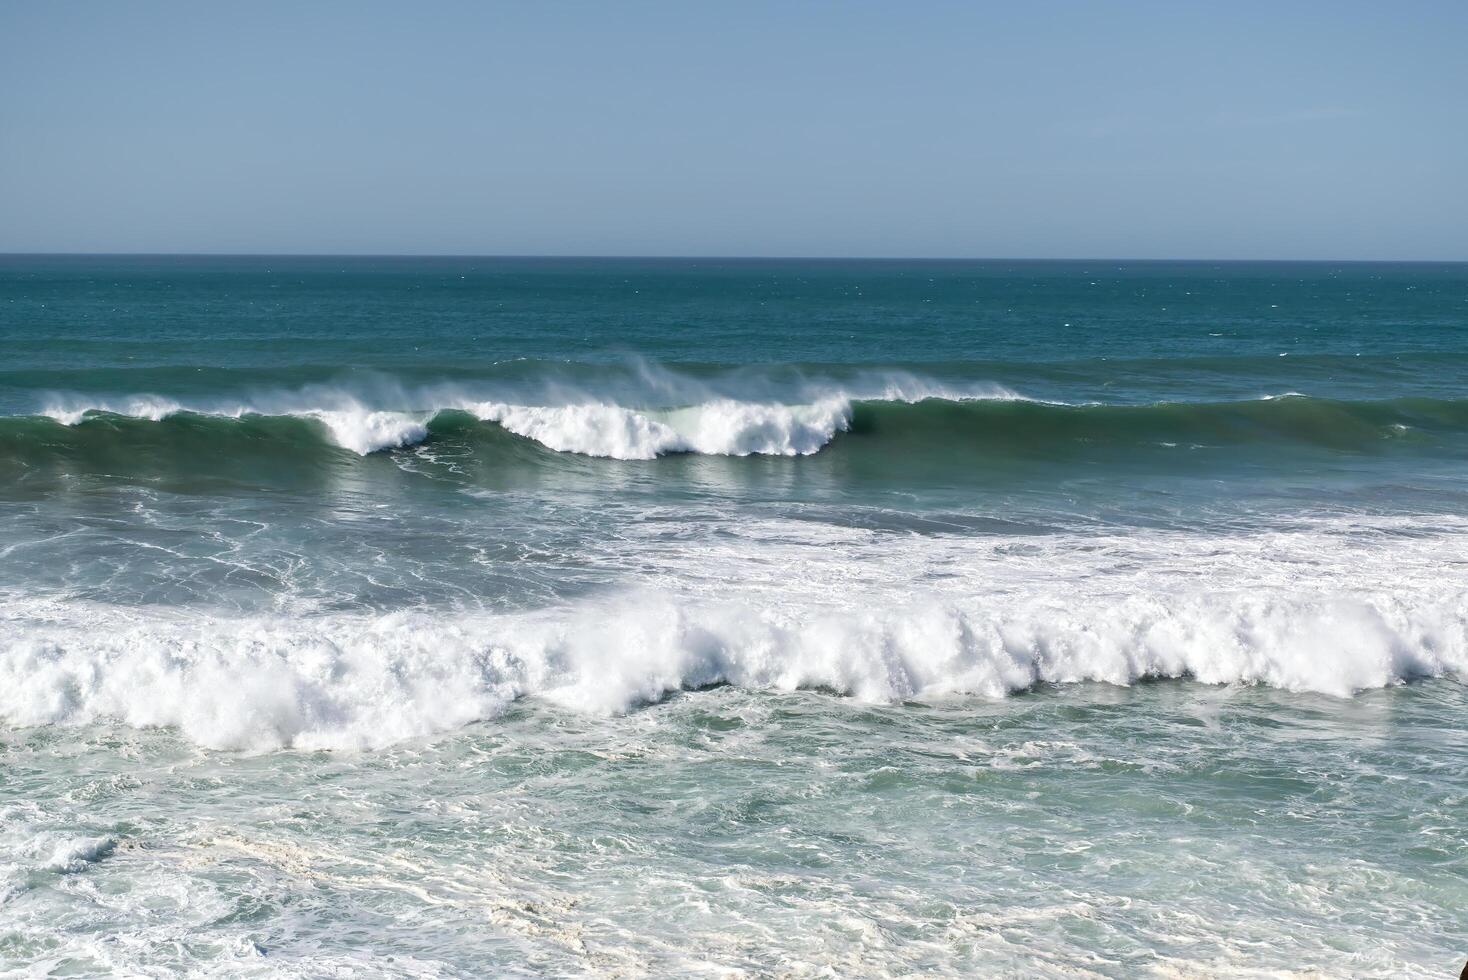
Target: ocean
454	617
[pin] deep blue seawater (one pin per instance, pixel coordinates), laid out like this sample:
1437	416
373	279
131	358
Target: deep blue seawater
462	617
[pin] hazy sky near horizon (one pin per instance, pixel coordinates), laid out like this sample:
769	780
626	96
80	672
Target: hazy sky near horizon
1224	130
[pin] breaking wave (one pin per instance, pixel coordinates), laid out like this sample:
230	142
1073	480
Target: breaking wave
365	680
714	423
722	428
994	421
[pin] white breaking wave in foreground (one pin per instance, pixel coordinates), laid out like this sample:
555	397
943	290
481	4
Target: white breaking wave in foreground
361	680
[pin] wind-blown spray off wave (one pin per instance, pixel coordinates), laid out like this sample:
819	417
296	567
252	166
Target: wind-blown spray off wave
363	680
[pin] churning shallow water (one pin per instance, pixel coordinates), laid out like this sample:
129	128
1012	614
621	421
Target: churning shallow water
453	617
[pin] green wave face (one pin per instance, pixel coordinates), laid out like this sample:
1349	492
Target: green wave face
931	436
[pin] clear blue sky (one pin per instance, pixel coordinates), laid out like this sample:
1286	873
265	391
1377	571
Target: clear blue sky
1128	129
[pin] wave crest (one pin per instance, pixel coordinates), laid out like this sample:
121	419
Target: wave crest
364	432
673	414
990	422
719	428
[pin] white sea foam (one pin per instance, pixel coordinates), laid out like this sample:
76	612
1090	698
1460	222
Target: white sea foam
1330	606
75	853
360	680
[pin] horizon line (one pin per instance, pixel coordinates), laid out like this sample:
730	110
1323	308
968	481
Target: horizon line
714	258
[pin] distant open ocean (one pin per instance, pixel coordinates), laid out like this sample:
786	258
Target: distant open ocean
455	617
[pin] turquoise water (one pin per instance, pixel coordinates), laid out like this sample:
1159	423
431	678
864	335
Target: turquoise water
452	617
